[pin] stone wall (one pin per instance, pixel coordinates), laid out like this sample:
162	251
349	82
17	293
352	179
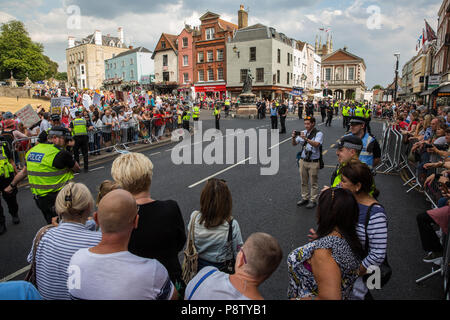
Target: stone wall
15	92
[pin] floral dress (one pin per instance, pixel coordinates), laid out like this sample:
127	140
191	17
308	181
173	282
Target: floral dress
301	279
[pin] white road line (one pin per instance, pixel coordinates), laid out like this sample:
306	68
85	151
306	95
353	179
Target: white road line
216	174
96	169
156	153
279	143
15	274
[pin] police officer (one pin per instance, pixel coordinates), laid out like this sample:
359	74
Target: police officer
348	148
274	115
216	114
227	107
49	167
346	116
368	117
55	122
7	172
79	127
336	108
283	113
186	116
300	109
196	116
371	152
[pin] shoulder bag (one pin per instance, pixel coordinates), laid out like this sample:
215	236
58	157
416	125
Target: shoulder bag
31	275
190	262
228	265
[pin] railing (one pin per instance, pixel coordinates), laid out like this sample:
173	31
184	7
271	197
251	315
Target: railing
107	138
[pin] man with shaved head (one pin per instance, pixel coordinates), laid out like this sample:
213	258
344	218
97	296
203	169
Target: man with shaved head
258	258
109	271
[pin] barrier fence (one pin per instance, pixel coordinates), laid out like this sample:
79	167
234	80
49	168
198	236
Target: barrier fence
398	156
107	138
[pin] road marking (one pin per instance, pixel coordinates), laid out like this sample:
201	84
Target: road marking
156	153
216	174
333	145
325	152
96	169
279	143
15	274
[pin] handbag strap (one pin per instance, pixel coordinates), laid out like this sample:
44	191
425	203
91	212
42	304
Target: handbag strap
366	224
191	237
37	240
200	282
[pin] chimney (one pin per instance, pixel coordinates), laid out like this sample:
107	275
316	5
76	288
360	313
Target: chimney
130	47
71	42
98	38
242	18
120	35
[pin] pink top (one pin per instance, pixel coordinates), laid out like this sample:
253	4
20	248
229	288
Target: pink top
441	217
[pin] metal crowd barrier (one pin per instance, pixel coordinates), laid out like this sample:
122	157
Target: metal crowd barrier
120	138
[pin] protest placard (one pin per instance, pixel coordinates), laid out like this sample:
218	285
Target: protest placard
96	101
87	101
58	104
28	116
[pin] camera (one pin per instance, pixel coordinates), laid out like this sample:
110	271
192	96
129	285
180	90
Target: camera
297	133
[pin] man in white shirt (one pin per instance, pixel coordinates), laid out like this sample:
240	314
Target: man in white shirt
258	258
109	271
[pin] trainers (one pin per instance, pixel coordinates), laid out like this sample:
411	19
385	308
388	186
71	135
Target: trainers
311	205
302	203
433	257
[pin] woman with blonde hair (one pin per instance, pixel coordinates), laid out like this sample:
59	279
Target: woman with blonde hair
53	247
161	231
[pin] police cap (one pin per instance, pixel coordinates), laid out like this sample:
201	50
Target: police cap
59	131
350	142
357	120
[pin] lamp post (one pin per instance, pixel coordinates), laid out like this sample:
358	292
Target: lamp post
397	55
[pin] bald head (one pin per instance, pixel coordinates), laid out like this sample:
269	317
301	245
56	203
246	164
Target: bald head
116	211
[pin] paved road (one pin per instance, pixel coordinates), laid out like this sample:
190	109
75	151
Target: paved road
260	203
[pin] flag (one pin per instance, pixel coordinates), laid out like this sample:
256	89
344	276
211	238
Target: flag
430	34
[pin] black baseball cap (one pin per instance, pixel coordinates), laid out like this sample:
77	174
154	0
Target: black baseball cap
350	142
59	131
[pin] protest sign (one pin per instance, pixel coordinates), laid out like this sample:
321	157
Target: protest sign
131	102
96	101
87	101
28	116
58	104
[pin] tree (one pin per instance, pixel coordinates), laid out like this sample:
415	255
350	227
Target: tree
22	56
377	87
62	76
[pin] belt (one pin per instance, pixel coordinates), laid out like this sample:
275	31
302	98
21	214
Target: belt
316	160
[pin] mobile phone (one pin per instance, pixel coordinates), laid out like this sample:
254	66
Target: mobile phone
297	133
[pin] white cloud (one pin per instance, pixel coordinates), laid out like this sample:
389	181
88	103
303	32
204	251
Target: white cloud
5	17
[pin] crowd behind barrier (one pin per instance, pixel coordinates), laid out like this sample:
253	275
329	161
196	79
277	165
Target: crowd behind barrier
419	151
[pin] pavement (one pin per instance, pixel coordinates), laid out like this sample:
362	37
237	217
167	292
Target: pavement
260	204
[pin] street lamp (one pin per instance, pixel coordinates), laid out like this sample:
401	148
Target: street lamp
397	55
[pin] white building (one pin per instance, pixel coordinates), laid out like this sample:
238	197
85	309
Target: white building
300	64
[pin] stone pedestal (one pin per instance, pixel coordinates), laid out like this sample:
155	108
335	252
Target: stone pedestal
247	104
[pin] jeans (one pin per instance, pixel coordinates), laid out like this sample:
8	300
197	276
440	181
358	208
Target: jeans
429	239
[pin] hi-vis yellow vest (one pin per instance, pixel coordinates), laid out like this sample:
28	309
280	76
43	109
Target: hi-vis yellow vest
6	168
42	176
79	127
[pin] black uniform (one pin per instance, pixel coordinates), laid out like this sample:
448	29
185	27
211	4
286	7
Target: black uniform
283	112
330	111
300	110
323	110
82	143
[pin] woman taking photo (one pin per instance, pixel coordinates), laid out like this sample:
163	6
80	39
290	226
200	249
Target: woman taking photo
357	178
212	224
327	267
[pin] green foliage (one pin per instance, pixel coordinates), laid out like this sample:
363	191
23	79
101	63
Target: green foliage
62	76
376	87
22	56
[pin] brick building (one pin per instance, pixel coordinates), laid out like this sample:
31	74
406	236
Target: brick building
210	71
186	61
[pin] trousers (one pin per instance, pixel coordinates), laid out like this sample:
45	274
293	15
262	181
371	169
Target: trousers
283	124
10	199
429	239
274	121
81	143
47	205
309	175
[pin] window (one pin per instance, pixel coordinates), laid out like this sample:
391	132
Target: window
165	60
82	69
288	60
123	75
185	42
288	78
163	44
123	63
186	77
279	57
115	66
131	74
219	54
201	75
220	74
166	76
210	56
209	33
131	61
327	74
185	60
351	73
259	74
210	75
253	54
201	57
278	76
243	75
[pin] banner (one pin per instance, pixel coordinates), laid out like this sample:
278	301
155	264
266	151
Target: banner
96	101
131	102
28	116
57	104
87	101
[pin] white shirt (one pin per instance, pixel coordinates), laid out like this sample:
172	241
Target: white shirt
217	286
315	151
117	276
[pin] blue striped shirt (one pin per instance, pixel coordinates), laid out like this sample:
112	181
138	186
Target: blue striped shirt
377	233
53	255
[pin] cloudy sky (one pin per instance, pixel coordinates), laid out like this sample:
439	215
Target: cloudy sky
371	29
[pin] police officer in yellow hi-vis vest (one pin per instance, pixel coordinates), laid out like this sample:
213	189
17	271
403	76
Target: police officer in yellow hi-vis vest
186	116
7	171
195	116
216	114
49	167
348	148
79	128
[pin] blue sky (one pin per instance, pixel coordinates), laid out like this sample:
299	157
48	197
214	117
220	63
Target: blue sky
373	37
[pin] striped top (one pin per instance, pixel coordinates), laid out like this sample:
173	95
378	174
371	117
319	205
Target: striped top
377	233
53	256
